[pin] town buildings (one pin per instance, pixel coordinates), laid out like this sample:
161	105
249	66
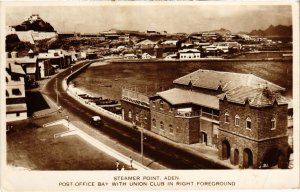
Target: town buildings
189	54
220	110
16	108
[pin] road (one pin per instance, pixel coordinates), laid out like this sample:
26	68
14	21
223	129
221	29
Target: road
154	149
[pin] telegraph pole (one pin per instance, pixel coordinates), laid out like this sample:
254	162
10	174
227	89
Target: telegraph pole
56	92
142	143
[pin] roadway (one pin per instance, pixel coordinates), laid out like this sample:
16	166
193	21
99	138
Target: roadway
155	149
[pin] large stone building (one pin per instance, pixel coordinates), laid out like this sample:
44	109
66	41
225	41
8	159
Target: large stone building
253	128
136	108
242	115
176	114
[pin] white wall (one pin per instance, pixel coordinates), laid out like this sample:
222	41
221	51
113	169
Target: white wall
13	116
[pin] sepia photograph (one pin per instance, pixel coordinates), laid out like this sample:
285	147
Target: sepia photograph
149	95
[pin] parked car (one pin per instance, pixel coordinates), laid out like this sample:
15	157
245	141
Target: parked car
96	120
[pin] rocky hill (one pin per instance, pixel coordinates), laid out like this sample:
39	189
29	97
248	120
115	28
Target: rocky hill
277	31
34	23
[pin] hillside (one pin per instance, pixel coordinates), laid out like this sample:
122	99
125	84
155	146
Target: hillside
277	31
34	23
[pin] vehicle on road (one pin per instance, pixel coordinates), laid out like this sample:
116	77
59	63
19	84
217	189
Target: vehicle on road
96	121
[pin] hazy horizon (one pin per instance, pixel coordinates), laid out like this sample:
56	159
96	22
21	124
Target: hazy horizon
170	18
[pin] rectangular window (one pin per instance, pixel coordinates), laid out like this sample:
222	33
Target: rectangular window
237	121
226	117
18	114
16	92
273	124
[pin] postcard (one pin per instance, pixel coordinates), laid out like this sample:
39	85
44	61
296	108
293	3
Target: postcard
158	95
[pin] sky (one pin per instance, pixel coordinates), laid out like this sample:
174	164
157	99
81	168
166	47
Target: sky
172	18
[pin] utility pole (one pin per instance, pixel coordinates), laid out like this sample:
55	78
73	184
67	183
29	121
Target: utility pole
142	143
56	92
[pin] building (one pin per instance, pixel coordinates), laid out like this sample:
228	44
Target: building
146	46
124	38
147	56
176	114
170	46
253	128
46	69
130	56
224	110
189	54
56	58
16	108
29	65
135	108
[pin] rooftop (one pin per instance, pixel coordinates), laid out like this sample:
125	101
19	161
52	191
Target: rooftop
257	97
146	42
48	56
168	42
26	59
179	96
210	79
15	68
189	51
16	108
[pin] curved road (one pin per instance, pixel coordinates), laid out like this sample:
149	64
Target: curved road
155	149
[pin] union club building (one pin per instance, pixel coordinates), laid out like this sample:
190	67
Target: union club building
242	115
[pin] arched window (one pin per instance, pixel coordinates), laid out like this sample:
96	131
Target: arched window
171	128
248	123
226	117
273	123
237	120
129	114
154	122
162	125
137	118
